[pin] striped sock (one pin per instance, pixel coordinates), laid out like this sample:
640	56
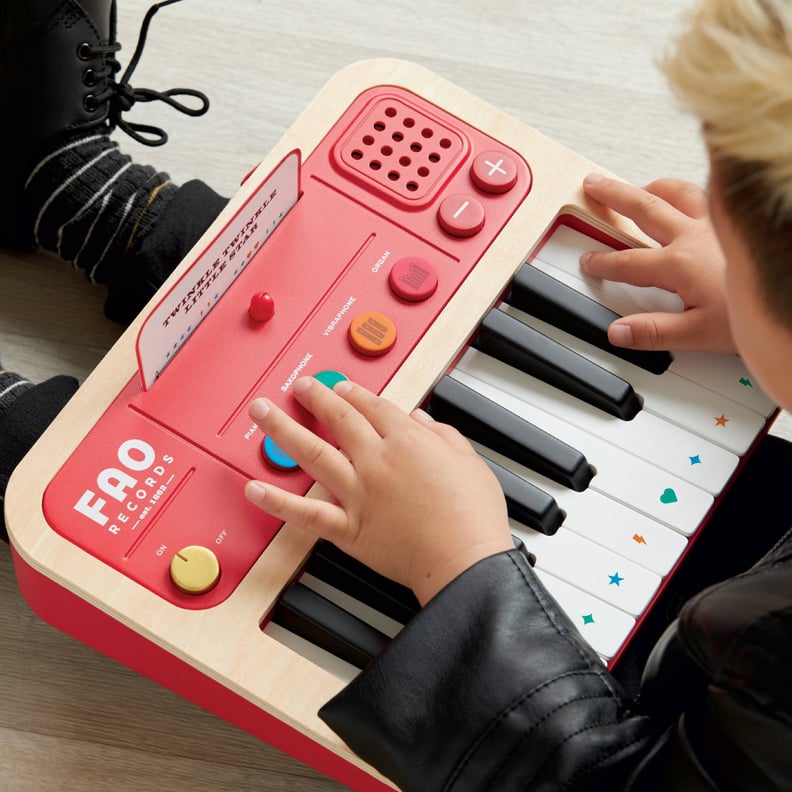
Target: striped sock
11	387
91	205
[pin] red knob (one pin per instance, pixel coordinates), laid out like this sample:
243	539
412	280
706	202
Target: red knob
262	307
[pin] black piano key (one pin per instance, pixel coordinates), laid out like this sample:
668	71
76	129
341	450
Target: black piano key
526	503
311	616
495	427
508	339
546	298
349	575
314	618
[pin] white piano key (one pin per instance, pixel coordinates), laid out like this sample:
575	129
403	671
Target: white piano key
562	252
604	627
682	453
559	257
607	522
725	374
623	476
639	539
676	399
591	568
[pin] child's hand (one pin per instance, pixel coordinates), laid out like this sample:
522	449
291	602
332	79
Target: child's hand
689	262
413	499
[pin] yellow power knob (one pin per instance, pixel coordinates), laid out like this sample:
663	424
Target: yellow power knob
195	569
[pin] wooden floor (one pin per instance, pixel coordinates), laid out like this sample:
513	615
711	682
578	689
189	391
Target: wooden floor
582	72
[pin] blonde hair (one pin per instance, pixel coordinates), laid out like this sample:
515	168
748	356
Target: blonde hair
732	67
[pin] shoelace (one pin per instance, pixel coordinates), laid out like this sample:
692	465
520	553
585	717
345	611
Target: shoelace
122	96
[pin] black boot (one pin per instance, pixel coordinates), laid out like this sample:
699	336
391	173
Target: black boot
58	82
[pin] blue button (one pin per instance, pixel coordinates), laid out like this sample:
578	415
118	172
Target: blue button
276	456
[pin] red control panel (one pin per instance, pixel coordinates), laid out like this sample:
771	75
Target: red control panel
398	203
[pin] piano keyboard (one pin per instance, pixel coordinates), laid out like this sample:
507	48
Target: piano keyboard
611	461
622	457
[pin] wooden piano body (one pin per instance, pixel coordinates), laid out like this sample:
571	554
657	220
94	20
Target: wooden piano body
218	655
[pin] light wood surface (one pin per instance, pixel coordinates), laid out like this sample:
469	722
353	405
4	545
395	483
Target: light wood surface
581	73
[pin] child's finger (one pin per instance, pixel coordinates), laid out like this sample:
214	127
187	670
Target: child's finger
650	213
383	415
660	331
351	430
315	456
636	266
683	195
318	517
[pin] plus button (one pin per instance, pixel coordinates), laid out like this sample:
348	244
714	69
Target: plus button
494	172
495	167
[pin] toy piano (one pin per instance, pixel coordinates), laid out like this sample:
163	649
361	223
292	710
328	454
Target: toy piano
410	237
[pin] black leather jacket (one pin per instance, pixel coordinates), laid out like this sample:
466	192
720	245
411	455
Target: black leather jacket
490	688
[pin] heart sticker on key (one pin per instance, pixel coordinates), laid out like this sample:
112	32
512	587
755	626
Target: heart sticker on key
668	496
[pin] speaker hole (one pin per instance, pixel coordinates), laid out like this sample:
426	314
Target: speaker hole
375	165
445	143
379	126
404	161
390	112
357	154
398	136
386	151
393	175
423	171
368	140
427	133
409	123
415	147
411	186
434	157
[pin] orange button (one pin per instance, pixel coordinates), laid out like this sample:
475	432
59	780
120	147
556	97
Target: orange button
372	333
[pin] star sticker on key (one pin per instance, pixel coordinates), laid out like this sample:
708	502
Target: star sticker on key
722	420
695	460
588	618
615	579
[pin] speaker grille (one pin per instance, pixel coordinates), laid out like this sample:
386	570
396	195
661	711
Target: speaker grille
402	150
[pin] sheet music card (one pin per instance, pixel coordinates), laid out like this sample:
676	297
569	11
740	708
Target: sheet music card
198	290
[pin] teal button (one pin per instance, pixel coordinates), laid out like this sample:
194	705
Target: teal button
276	456
330	377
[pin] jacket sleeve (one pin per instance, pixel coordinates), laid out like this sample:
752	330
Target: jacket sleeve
490	687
